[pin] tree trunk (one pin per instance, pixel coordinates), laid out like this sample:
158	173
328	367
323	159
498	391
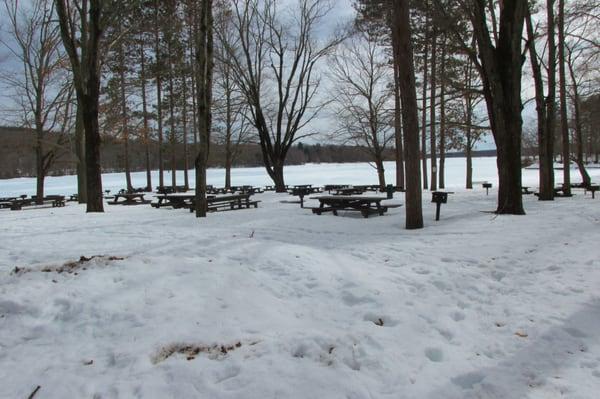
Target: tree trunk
158	77
145	117
585	177
469	183
442	182
501	68
92	147
172	138
186	164
432	109
424	110
124	118
401	38
564	122
398	132
39	163
80	153
380	172
545	107
204	61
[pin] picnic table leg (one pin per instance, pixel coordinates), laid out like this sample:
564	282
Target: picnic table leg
301	200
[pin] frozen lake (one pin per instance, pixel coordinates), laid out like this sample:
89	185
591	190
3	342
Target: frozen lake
484	169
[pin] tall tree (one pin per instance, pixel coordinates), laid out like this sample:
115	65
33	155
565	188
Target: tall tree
499	62
363	95
275	68
82	24
402	39
564	126
203	39
42	90
545	105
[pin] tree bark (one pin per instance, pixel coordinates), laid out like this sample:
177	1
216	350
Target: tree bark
432	109
441	172
424	106
80	153
564	122
404	61
545	107
86	74
158	77
501	68
585	177
124	117
204	61
398	131
145	117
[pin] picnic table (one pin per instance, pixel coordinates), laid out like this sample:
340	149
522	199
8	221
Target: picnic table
6	202
55	200
525	190
174	200
330	187
301	192
593	188
171	189
348	191
129	199
227	202
365	205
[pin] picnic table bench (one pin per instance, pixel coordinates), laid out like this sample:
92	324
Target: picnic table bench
227	202
55	200
6	202
129	199
525	190
174	200
365	205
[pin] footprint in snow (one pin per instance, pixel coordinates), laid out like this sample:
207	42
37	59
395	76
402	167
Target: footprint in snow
435	355
468	380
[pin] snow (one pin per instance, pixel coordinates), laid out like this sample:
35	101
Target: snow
473	306
484	169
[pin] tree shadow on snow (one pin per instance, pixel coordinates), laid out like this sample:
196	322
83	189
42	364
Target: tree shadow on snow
532	366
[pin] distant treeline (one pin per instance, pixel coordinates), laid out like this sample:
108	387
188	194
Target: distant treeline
17	155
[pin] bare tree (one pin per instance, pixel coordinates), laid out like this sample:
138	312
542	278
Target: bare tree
498	60
231	111
564	127
545	104
404	61
274	62
42	90
363	96
82	24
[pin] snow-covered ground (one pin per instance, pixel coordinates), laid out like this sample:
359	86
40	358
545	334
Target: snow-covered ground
276	302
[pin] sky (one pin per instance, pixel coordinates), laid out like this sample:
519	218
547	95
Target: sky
341	13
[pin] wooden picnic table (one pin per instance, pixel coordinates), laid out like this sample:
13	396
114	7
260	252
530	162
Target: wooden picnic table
525	190
55	200
129	199
173	200
348	191
227	202
364	205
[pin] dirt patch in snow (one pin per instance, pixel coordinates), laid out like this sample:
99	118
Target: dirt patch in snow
71	267
191	351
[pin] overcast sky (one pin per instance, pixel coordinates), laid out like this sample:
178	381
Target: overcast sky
341	13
